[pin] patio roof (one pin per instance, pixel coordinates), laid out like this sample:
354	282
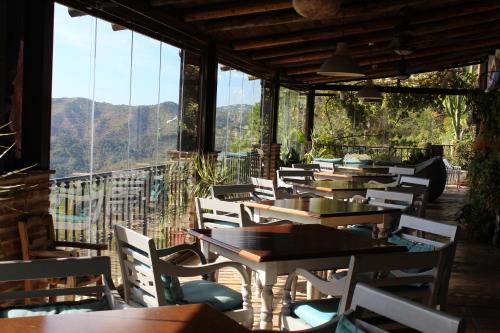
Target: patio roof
268	37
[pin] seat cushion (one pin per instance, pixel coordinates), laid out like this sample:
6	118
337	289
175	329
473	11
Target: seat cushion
360	229
411	246
171	285
224	224
214	294
316	312
47	309
346	326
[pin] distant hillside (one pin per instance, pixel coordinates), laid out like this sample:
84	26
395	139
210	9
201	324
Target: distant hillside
70	140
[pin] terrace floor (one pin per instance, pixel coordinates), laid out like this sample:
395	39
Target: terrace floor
474	289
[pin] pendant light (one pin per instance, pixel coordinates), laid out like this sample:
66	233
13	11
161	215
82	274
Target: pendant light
369	94
341	64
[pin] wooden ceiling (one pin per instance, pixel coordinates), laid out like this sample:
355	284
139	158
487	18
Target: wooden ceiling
270	34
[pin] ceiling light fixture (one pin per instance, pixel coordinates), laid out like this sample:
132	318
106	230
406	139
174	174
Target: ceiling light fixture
369	93
317	9
341	64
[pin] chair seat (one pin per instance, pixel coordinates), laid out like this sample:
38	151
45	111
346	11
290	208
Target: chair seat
316	312
214	294
221	224
47	309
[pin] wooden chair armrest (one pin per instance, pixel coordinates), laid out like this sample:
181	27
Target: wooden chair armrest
182	247
333	288
52	253
81	245
190	271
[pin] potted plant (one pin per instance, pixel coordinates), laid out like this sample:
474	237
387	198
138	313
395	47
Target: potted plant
208	173
358	159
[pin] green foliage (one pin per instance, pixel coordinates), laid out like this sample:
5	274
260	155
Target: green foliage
463	154
208	174
287	158
482	215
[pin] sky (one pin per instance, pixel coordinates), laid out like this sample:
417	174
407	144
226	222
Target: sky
119	62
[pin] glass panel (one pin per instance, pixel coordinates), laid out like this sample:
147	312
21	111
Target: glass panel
291	121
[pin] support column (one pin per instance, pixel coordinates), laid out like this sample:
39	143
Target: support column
271	149
309	123
208	100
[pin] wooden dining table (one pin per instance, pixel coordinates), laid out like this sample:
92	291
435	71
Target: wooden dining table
193	318
333	189
327	212
361	177
279	250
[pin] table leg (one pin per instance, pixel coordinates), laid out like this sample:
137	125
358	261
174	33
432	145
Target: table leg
267	279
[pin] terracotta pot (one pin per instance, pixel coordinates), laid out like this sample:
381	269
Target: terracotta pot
317	9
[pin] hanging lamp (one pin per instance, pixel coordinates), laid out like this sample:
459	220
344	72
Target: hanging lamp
317	9
341	64
369	94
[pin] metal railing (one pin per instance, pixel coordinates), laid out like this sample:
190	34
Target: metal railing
155	201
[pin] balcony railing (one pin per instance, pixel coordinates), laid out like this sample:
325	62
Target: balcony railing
155	201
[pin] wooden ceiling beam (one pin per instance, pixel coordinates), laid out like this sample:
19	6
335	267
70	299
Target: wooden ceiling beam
315	51
419	53
357	10
254	21
443	19
420	61
236	9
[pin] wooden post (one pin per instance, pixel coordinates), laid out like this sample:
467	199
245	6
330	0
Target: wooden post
208	100
309	123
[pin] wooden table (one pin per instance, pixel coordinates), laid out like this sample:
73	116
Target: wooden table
362	168
279	250
334	189
195	318
327	212
362	177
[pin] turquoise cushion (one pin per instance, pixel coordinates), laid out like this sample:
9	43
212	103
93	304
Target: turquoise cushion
47	309
328	160
171	286
360	229
346	326
316	312
411	246
216	295
225	224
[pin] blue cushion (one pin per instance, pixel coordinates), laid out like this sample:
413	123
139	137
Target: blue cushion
360	229
216	295
171	285
225	223
336	160
411	246
47	309
346	326
316	312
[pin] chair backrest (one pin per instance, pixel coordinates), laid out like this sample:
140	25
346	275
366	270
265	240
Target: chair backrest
21	270
36	232
374	269
398	309
138	262
401	171
326	166
240	192
417	230
210	212
307	166
264	188
389	198
284	175
412	181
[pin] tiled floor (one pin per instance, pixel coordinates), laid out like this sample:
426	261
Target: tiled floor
475	282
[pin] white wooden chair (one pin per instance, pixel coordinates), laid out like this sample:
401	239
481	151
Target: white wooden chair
214	213
453	173
409	314
326	166
307	166
105	296
415	230
151	281
380	198
236	192
266	189
371	269
284	175
419	187
394	170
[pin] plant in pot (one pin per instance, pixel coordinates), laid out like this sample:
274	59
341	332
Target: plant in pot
358	159
207	173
